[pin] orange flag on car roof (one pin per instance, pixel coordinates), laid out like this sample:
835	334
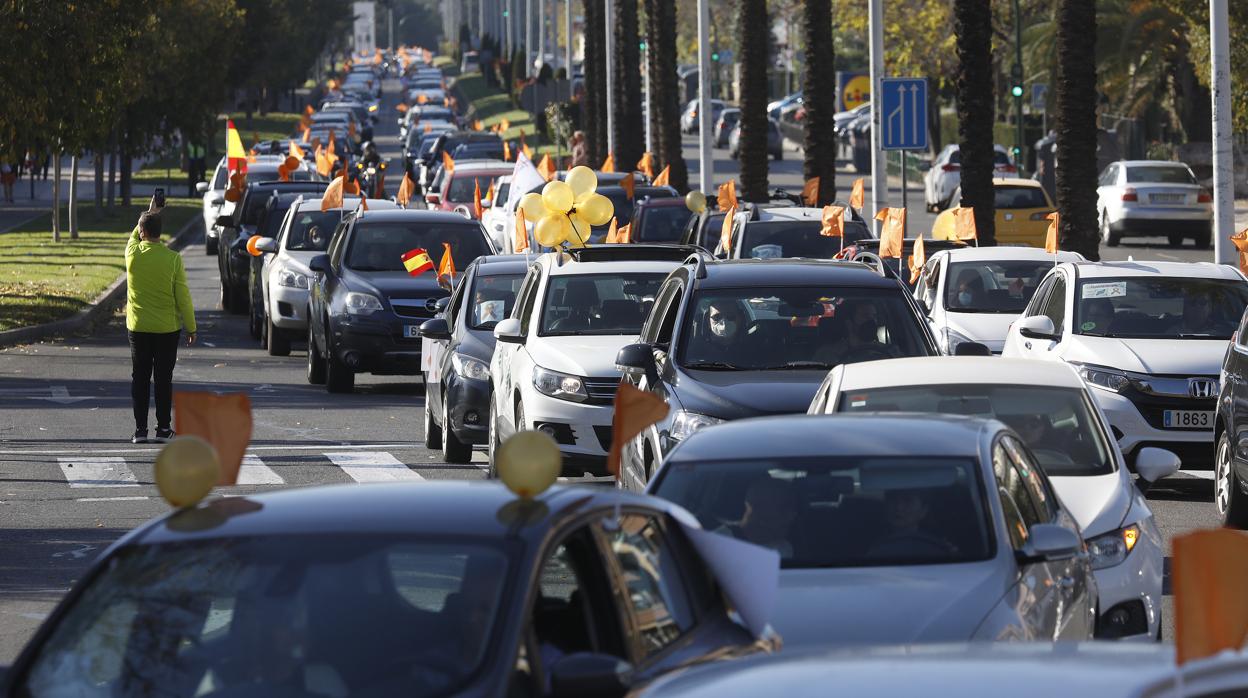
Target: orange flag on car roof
624	234
406	189
856	195
833	220
476	198
727	195
332	198
893	231
629	185
222	420
448	163
646	165
917	259
1209	573
506	151
323	164
524	148
446	267
664	178
964	224
349	186
725	231
1240	240
613	231
307	133
546	167
810	192
296	151
608	165
1050	238
634	411
521	242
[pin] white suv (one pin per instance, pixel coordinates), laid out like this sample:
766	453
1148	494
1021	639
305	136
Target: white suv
553	368
1149	336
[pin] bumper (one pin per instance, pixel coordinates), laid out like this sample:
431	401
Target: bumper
288	307
374	345
1193	446
583	432
1130	594
1162	221
468	409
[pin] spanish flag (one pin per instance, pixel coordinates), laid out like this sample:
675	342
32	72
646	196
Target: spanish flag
417	261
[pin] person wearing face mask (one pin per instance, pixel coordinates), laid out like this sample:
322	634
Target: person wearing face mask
722	334
969	288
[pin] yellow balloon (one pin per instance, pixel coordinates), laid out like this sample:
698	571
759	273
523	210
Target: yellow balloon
579	235
534	209
695	201
186	470
557	196
596	210
552	230
582	180
528	463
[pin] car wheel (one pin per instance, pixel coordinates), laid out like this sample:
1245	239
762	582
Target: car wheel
1175	240
254	323
1228	498
210	246
433	433
226	299
338	377
1107	233
316	364
1203	241
278	340
453	450
240	300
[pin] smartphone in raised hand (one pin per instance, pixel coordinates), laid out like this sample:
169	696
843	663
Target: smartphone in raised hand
158	198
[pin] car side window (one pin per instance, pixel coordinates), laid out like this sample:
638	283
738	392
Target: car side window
1016	503
456	303
929	283
1241	335
1055	304
528	293
1039	298
657	598
662	305
1042	499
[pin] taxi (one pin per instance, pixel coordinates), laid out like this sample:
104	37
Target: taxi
1022	208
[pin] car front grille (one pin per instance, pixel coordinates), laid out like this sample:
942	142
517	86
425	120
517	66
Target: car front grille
411	308
601	390
1153	406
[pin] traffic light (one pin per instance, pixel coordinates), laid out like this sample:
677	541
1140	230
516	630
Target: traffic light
1017	90
715	56
506	14
643	45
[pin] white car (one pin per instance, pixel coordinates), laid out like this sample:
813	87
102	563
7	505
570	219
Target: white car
1153	197
1149	337
1051	408
553	368
285	276
261	168
944	175
497	217
972	294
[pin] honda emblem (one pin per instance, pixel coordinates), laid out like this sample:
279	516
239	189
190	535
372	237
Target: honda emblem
1202	387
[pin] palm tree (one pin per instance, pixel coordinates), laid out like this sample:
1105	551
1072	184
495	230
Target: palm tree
626	54
972	24
819	99
1076	128
594	106
664	99
753	32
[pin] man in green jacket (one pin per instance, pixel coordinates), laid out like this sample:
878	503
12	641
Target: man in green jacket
158	308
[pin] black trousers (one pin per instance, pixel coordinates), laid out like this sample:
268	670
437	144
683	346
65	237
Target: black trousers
152	355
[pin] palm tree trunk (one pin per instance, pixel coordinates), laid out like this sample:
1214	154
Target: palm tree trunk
972	22
1076	128
73	197
594	108
754	29
819	99
626	52
665	100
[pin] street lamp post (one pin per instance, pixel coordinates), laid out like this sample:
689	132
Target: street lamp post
1223	163
567	48
1018	89
706	166
879	176
610	18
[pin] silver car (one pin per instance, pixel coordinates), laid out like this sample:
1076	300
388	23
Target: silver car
893	528
1153	197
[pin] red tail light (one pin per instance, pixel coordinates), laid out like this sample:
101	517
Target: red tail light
1007	168
950	168
1130	195
1204	197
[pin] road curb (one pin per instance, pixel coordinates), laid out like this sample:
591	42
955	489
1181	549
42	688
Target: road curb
104	302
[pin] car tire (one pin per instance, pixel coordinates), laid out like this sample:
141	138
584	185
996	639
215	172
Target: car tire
1107	233
1229	500
491	472
433	433
210	246
453	450
316	364
240	300
226	299
339	378
278	340
1175	240
255	326
1204	240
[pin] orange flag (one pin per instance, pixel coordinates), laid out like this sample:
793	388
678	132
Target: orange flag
1209	572
856	194
402	107
477	125
727	195
333	152
634	411
422	98
448	163
1240	240
332	198
917	259
546	167
725	231
613	231
964	224
833	221
222	420
663	179
524	148
891	234
476	198
506	151
522	233
1050	238
308	110
307	133
506	124
810	192
349	186
608	165
624	234
296	151
646	165
406	188
323	164
629	185
446	267
283	173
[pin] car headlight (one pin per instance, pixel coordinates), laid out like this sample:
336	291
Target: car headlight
362	303
953	338
468	367
1112	548
559	385
1104	378
685	423
292	279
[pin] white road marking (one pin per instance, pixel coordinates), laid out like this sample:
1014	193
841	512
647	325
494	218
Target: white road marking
254	472
73	451
97	472
60	394
111	499
1198	474
372	467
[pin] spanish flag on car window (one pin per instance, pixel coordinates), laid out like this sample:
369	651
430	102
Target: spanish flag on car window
417	261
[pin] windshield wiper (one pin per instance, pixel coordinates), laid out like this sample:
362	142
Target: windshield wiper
795	365
714	366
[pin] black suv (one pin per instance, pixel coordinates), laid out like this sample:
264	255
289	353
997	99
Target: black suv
457	386
366	310
745	338
233	260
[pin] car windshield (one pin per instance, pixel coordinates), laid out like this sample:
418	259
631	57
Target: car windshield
381	246
794	328
774	239
311	230
1019	197
598	304
622	206
261	615
463	187
492	299
663	224
993	286
840	511
478	151
253	207
273	217
1152	307
1057	424
1159	174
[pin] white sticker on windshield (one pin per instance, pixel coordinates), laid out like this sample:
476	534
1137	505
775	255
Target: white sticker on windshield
1113	289
767	252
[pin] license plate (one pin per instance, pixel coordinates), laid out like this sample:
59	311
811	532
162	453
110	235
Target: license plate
411	331
1187	419
1166	198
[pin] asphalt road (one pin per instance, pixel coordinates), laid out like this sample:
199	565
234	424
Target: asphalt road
71	483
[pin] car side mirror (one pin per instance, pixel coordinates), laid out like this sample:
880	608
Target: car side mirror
441	304
590	674
1153	464
508	331
319	264
267	245
436	328
637	360
924	166
433	199
201	187
226	221
971	349
1037	327
1051	542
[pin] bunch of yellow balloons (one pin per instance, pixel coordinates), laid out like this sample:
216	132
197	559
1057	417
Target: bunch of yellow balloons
566	210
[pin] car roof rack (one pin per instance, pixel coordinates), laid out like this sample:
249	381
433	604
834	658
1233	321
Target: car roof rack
631	253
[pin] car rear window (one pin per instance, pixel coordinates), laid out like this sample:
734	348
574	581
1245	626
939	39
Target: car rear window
773	239
663	224
840	511
380	246
1159	174
463	187
1019	197
993	286
492	299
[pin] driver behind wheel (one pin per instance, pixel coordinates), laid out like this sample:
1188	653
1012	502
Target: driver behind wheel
907	531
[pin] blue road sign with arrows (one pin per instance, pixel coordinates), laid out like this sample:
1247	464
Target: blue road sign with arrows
903	117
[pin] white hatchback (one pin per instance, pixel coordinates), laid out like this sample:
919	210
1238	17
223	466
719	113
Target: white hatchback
1051	409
